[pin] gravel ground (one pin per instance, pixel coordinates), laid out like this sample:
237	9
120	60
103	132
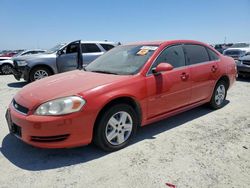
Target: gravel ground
198	148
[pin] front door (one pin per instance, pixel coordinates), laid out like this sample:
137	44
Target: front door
67	60
170	90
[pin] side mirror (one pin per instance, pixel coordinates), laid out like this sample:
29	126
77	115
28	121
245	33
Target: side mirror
59	52
162	67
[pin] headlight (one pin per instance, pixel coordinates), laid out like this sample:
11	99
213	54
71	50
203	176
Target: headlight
61	106
21	63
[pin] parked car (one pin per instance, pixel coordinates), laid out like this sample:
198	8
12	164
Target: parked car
8	54
243	65
221	47
237	50
6	65
129	86
61	58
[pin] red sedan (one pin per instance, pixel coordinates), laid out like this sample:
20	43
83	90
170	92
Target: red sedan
130	86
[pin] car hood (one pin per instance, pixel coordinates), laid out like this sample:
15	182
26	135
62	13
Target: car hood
35	56
240	49
62	85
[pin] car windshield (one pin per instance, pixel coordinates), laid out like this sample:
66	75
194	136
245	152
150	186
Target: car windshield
122	60
18	54
55	48
240	45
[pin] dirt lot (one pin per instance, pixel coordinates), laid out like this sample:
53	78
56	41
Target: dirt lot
199	148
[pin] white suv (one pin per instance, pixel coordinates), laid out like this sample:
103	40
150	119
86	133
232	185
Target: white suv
6	63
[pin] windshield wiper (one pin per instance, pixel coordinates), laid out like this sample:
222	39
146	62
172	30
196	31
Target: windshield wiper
105	72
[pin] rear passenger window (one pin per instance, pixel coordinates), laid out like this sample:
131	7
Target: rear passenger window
173	55
195	54
90	48
107	47
213	56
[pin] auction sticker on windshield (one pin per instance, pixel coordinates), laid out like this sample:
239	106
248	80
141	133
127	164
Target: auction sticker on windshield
145	49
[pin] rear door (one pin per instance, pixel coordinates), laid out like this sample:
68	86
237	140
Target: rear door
90	52
67	60
203	71
169	90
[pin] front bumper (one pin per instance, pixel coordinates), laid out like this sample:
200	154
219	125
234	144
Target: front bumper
51	131
21	72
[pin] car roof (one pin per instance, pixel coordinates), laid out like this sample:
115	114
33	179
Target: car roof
98	42
166	42
33	50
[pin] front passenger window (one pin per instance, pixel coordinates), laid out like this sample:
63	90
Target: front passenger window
173	55
72	48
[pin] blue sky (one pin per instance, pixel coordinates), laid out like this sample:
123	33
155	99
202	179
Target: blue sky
44	23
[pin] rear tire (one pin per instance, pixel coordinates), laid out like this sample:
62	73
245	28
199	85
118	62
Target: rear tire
116	127
6	69
39	72
219	95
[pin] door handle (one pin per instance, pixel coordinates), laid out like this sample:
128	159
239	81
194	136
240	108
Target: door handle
214	68
184	76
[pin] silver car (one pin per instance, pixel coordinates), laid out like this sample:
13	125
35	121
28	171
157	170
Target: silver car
61	58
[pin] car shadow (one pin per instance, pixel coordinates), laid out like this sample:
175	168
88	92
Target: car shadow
31	158
17	84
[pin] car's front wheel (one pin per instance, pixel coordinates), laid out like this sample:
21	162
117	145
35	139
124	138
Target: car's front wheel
39	73
116	127
6	69
219	95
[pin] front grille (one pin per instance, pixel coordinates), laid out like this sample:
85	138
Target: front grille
20	108
49	138
246	62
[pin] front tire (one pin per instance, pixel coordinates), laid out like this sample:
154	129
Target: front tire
39	73
219	95
116	127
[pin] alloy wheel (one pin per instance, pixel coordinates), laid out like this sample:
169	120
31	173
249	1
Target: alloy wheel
6	69
39	74
220	94
119	128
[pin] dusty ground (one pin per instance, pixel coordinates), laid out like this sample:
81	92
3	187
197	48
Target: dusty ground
199	148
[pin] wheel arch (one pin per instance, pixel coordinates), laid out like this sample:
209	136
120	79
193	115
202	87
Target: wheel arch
120	100
7	64
42	65
226	79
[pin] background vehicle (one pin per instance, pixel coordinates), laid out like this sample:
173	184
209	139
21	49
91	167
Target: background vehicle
237	50
6	66
243	65
221	47
8	54
61	58
129	86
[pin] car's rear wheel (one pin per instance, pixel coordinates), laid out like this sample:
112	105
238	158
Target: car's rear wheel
116	127
219	95
6	69
39	73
